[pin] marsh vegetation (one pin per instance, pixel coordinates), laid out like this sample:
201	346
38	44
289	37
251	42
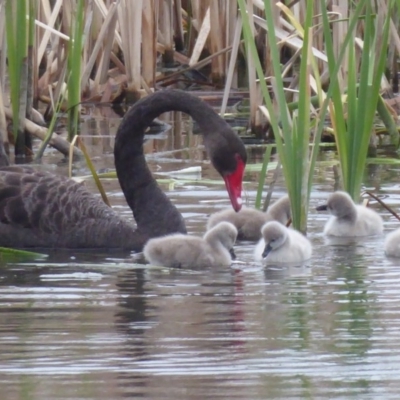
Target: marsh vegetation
307	69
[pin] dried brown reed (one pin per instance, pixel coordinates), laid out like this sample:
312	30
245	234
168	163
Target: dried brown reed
125	43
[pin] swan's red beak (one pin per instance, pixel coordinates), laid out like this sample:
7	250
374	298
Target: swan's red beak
233	183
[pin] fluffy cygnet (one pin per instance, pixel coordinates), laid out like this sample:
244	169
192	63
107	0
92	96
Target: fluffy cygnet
249	221
280	244
215	248
392	244
350	219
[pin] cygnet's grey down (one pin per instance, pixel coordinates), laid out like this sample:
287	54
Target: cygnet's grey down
215	248
249	221
392	244
350	219
282	245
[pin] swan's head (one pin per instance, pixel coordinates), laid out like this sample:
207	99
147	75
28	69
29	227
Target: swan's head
274	235
228	155
339	204
224	233
233	182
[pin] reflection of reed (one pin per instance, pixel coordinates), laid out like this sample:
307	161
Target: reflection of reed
355	310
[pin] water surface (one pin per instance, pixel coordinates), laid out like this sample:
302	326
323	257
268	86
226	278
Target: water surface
106	326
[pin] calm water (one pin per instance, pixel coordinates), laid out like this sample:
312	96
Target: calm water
105	326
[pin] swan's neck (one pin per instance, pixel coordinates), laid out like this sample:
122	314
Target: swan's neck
218	248
151	208
213	238
350	215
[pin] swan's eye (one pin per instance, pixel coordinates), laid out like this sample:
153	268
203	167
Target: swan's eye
275	240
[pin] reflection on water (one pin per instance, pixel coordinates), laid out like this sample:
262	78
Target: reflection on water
104	326
115	330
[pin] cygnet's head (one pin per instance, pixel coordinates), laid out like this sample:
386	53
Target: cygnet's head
339	204
274	235
280	210
224	233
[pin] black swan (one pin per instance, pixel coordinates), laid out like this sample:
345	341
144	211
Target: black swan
280	244
392	244
214	249
42	210
249	221
349	219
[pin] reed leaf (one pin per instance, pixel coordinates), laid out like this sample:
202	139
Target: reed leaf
9	254
53	122
263	174
16	29
74	69
353	134
293	139
91	167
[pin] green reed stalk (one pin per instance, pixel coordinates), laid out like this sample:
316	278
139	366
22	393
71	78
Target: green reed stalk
16	29
93	171
353	134
31	75
263	174
293	139
297	167
8	254
74	69
56	110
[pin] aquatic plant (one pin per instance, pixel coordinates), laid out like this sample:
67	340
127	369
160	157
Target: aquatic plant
8	254
109	57
292	131
263	174
74	65
361	76
19	23
296	143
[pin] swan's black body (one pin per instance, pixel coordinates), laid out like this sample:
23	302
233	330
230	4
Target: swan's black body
39	209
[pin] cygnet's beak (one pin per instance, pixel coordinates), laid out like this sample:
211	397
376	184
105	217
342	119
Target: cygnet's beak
232	253
267	250
323	207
